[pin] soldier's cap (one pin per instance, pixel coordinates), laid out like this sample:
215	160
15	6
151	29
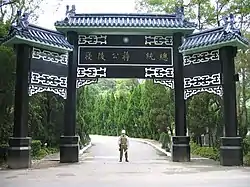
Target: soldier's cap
123	131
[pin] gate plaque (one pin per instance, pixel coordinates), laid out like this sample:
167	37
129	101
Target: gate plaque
125	56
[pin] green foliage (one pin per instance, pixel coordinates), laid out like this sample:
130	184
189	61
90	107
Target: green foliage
36	146
165	141
246	145
141	109
7	81
46	118
3	152
41	154
247	159
206	152
204	113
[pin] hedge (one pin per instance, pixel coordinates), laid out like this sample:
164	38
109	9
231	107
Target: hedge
165	140
214	153
36	146
3	152
207	152
246	145
247	159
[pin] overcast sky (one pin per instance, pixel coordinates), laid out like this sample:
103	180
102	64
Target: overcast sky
50	14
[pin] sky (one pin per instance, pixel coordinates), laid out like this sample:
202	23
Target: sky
50	14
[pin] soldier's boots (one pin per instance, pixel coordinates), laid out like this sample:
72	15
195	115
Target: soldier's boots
125	160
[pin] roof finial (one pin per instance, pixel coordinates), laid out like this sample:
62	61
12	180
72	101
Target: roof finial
230	24
22	21
73	9
70	13
179	12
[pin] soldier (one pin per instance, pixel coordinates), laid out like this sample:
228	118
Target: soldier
123	145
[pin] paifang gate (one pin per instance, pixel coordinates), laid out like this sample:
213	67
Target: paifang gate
87	47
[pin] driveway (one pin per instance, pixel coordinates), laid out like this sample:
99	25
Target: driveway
99	166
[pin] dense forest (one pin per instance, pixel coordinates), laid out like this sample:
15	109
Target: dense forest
144	109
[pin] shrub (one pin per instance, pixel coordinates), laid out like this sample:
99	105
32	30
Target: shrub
207	152
51	150
36	146
161	137
42	153
247	159
3	152
246	145
84	139
165	140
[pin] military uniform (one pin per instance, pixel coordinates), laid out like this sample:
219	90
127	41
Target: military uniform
123	145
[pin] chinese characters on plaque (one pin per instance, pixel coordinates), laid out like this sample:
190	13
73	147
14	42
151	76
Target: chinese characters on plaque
100	56
161	57
122	56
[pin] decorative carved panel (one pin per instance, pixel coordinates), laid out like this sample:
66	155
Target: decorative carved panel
217	90
165	82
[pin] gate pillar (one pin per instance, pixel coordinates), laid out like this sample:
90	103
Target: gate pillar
180	142
19	153
231	150
69	145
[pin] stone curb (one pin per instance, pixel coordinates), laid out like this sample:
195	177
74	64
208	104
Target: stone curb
81	151
164	151
153	145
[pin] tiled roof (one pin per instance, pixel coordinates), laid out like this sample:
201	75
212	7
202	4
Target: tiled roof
39	37
160	21
213	38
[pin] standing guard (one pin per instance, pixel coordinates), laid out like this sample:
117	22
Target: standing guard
123	143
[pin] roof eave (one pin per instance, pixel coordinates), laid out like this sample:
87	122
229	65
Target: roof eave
235	43
101	29
20	40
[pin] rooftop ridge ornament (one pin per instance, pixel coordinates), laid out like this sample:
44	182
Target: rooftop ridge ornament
230	25
179	12
70	13
21	21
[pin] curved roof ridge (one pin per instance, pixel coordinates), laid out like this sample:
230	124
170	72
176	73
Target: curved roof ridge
207	31
40	28
213	39
142	15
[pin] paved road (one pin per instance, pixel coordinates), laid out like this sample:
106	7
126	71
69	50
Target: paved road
99	167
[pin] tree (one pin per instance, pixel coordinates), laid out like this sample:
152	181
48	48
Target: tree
8	13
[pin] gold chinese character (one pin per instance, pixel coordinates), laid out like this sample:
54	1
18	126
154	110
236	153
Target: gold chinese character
150	56
125	56
88	56
115	55
100	56
164	56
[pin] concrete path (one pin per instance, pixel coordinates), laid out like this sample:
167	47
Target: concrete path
99	167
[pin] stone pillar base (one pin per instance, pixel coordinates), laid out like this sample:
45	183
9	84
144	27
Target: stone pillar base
19	153
180	149
69	149
231	153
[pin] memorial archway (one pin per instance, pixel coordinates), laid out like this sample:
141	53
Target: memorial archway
127	46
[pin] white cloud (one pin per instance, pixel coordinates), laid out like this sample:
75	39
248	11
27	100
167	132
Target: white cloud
52	15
